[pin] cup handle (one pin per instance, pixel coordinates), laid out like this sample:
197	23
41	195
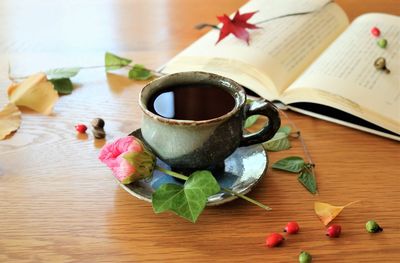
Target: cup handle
265	108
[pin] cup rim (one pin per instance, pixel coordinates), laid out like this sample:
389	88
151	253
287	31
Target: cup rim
230	85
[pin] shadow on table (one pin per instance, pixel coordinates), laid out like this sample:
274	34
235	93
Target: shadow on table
139	230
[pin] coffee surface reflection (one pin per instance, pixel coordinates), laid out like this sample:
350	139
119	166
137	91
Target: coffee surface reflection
191	102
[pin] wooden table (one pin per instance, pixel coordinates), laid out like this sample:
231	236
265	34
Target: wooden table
58	203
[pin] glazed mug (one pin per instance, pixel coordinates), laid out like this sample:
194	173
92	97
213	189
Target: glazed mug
190	144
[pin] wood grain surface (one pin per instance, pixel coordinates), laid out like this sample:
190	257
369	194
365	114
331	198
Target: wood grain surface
58	203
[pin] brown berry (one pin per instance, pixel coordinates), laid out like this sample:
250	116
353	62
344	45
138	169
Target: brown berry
98	123
98	133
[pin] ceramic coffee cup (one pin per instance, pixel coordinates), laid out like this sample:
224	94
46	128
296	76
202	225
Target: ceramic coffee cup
190	144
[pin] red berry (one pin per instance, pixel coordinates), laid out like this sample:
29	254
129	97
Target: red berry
292	228
334	231
375	32
274	240
81	128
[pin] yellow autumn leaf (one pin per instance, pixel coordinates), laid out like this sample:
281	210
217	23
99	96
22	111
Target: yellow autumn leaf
35	92
10	120
327	212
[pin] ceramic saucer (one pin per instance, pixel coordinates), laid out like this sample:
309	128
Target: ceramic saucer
243	170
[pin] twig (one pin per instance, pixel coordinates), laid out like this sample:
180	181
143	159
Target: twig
247	199
298	133
204	25
303	143
294	14
19	78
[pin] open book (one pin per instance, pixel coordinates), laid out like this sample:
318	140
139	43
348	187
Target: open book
315	63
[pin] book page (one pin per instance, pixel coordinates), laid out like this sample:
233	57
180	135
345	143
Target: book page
278	52
344	76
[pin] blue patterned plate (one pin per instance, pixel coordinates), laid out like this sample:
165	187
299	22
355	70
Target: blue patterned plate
243	170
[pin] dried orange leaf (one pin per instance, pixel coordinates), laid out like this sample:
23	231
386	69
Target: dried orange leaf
36	93
11	88
327	212
10	119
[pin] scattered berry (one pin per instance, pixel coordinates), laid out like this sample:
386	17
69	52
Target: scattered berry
98	128
305	257
99	133
380	64
373	227
292	228
334	231
382	43
274	240
81	128
98	123
375	32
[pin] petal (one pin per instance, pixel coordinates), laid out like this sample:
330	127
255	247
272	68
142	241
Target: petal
135	146
122	144
124	170
111	151
119	146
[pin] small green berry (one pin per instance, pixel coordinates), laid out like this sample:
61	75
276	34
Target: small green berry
373	227
382	43
305	257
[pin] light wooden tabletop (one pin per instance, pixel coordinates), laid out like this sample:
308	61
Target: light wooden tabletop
58	203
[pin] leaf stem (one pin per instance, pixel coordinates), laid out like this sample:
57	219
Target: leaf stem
171	173
204	25
298	133
248	199
311	167
293	14
17	78
351	203
184	177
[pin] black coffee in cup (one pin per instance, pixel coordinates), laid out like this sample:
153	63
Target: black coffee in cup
191	102
211	110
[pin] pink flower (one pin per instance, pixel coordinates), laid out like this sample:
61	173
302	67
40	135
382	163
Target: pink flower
128	159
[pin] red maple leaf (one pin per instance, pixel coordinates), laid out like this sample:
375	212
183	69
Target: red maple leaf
237	26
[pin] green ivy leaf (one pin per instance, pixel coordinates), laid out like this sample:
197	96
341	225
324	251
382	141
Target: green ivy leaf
285	129
307	179
62	73
293	164
279	142
62	86
112	61
250	121
189	200
139	72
